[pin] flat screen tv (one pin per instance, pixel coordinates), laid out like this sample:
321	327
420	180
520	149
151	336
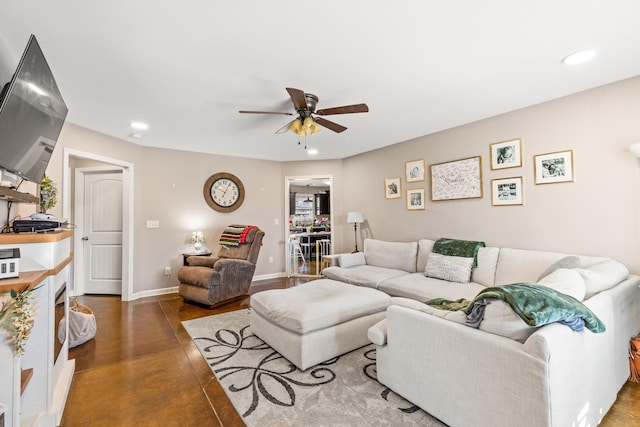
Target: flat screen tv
32	112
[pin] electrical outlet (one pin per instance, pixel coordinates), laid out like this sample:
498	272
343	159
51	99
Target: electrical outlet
167	271
270	260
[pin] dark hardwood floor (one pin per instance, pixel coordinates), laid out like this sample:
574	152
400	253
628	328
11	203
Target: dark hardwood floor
143	369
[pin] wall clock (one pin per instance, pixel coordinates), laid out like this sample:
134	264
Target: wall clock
223	192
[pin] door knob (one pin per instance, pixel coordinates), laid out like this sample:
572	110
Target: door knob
85	238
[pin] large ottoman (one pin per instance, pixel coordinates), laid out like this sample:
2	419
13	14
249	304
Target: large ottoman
318	320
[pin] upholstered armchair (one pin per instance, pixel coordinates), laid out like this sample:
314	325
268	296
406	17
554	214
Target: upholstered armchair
213	279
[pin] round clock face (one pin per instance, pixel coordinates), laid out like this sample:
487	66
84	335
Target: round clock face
224	192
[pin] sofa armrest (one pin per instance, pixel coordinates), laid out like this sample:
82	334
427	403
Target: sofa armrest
377	334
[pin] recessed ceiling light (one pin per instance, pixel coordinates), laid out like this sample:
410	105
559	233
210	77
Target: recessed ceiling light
579	57
312	151
139	125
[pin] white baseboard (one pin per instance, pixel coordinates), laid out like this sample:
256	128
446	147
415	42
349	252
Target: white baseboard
154	292
174	289
269	276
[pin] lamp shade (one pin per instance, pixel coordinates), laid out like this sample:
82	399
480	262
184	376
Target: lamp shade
635	149
197	237
354	217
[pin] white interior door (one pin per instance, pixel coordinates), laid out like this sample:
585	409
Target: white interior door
102	233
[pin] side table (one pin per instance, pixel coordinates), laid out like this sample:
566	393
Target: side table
186	255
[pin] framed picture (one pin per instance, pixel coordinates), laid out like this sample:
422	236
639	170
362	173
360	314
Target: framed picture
553	167
392	188
506	191
460	179
415	170
415	199
506	154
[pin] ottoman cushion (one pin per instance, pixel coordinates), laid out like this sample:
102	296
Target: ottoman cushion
318	304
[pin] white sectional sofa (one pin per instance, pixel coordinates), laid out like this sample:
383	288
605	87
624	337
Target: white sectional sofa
505	373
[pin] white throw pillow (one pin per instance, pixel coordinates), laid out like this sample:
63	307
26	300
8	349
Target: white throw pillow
567	281
602	276
451	268
351	260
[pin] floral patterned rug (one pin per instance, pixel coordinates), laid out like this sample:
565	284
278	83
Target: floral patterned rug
268	390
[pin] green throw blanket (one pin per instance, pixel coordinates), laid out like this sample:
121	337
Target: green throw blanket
461	248
535	304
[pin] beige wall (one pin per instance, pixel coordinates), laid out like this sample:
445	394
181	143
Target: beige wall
596	214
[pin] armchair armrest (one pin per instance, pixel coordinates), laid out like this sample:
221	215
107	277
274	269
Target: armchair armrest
201	261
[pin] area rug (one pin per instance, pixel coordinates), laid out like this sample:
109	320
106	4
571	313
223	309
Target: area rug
268	390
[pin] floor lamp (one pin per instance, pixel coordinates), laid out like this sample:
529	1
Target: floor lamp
355	218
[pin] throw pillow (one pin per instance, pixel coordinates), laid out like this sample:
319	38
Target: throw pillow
602	276
451	268
567	281
351	260
571	261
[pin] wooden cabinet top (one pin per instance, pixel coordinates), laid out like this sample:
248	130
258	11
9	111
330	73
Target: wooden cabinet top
20	238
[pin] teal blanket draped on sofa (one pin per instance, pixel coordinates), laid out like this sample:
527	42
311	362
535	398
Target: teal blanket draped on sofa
535	304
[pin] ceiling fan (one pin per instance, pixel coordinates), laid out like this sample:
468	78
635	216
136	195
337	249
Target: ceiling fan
307	121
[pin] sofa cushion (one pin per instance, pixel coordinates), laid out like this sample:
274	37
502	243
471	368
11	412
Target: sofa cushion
417	286
485	272
362	275
602	276
395	255
567	281
424	248
450	268
454	316
500	319
522	265
350	260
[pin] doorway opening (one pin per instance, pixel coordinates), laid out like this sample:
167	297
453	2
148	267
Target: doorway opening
74	161
309	236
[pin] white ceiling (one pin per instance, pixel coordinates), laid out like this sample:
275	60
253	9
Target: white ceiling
421	65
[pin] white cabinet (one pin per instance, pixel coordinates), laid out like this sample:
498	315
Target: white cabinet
34	387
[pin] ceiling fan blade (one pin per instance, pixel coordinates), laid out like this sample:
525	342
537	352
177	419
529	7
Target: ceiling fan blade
329	125
285	128
263	112
347	109
298	98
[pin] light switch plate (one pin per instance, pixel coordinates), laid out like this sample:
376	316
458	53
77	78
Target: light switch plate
153	223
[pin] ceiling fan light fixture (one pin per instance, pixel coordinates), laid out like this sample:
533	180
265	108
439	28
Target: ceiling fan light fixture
296	127
310	126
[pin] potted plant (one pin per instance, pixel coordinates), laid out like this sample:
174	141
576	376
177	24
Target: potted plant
48	194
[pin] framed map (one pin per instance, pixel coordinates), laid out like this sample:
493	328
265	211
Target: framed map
460	179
